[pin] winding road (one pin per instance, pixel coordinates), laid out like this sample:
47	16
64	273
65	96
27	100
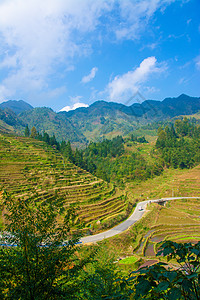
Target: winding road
136	216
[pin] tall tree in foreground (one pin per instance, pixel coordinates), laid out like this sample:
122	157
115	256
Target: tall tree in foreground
37	253
40	259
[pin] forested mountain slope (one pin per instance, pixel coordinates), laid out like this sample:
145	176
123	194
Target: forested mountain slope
45	119
108	119
100	120
9	120
16	106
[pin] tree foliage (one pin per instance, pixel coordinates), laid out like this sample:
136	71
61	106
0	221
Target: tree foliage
27	131
159	281
33	132
138	139
108	159
40	258
179	145
37	256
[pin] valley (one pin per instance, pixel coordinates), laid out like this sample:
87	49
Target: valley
99	150
104	191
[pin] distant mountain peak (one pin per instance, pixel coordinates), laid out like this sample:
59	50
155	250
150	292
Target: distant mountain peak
18	106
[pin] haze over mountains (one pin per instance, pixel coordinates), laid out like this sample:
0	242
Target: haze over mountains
16	106
99	120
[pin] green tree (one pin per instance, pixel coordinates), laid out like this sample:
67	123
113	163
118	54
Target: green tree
33	132
46	137
162	282
26	131
100	277
43	264
68	151
160	143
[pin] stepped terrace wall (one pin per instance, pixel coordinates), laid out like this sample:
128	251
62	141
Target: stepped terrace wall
29	167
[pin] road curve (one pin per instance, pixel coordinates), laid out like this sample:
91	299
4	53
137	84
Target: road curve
136	216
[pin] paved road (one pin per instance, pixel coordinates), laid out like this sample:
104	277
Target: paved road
136	215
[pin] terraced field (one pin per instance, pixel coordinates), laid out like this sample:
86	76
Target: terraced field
178	221
29	167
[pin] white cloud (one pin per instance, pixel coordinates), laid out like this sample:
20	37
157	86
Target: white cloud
151	89
37	38
197	62
183	80
186	65
90	76
74	106
121	87
135	15
75	99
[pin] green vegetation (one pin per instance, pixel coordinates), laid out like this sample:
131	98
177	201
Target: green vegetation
45	119
159	281
39	264
108	159
129	260
9	120
121	160
102	120
16	106
51	198
179	144
46	263
106	120
114	160
177	221
29	166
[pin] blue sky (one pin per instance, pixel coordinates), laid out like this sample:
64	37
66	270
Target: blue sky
70	53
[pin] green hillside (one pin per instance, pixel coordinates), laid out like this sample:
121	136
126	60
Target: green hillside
45	119
16	106
9	120
29	166
108	119
178	220
100	120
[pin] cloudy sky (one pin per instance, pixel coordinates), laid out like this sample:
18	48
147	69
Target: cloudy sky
69	53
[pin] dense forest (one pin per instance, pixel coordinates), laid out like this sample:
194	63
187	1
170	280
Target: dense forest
107	159
177	146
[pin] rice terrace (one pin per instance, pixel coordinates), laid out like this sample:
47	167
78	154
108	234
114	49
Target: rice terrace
29	167
99	150
129	218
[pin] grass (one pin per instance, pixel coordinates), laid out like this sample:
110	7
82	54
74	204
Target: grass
173	182
129	260
179	220
28	166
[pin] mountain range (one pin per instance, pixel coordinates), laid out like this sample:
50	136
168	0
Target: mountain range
99	120
16	106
